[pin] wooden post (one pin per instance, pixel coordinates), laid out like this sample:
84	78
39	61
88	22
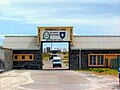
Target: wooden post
119	82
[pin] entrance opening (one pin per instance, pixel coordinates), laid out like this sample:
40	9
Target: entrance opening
55	55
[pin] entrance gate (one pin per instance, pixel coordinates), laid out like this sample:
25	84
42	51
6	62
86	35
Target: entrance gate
59	34
48	53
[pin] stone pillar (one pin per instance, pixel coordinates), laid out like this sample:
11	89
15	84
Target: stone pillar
74	60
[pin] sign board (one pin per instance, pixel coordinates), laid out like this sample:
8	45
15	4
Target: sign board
55	34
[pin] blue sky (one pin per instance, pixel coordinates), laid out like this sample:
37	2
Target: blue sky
88	17
53	46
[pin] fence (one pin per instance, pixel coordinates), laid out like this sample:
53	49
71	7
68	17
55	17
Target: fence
115	63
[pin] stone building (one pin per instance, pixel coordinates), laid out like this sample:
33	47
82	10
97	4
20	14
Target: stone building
84	51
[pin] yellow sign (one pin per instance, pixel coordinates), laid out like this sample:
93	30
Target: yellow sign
55	34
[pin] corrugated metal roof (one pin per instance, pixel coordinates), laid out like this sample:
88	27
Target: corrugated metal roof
96	42
21	42
80	42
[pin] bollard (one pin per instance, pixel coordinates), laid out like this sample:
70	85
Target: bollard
119	75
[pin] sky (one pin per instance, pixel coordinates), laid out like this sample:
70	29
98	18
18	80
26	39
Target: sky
55	46
88	17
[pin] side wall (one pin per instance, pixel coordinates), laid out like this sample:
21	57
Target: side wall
1	59
85	53
35	64
6	61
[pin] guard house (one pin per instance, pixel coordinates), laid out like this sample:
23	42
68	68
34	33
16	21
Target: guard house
85	51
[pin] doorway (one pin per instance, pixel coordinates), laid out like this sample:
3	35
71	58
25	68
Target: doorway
51	51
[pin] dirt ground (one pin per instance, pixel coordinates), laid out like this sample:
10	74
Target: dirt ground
24	79
12	79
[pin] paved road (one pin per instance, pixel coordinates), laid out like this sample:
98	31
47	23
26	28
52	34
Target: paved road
70	80
56	80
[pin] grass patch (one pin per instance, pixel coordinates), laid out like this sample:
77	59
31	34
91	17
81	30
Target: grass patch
65	61
67	64
104	71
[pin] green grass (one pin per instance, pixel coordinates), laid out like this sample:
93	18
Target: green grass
103	71
46	56
67	64
65	61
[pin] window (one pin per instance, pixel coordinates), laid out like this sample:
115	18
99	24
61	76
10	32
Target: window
92	60
30	57
96	60
15	57
100	60
23	57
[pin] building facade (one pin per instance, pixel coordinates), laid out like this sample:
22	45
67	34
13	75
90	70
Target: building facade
84	51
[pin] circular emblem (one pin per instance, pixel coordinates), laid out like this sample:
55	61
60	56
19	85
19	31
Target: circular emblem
46	35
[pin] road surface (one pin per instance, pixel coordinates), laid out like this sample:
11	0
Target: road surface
56	80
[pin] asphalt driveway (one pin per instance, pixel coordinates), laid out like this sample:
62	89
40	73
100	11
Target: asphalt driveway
56	80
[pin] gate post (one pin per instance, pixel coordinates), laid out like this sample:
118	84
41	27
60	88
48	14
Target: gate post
80	59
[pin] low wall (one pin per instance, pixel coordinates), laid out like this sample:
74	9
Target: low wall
6	61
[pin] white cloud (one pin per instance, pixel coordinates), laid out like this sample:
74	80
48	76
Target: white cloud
10	10
4	2
14	12
78	21
9	19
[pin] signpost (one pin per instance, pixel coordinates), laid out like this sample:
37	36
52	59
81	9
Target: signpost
119	75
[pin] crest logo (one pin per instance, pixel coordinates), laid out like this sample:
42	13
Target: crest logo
62	35
46	35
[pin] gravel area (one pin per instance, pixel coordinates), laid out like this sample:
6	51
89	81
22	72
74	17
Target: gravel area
12	79
103	82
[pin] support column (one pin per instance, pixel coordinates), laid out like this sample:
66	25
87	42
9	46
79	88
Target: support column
80	59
